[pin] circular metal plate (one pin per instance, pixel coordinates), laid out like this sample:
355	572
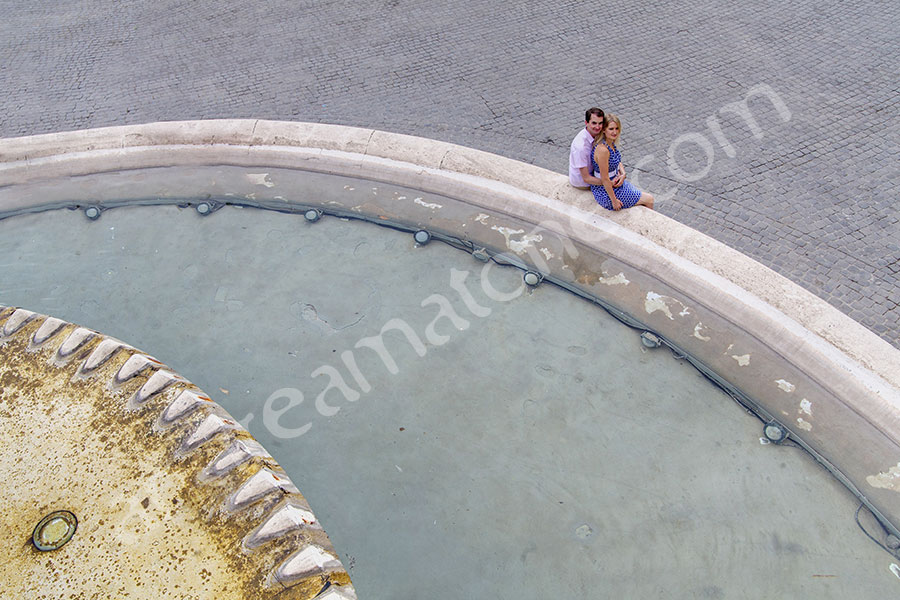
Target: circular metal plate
54	530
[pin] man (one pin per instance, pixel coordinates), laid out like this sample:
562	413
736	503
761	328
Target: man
580	175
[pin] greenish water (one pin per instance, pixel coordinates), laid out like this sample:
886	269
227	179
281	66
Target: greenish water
529	447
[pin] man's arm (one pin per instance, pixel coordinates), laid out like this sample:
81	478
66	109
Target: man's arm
589	177
591	180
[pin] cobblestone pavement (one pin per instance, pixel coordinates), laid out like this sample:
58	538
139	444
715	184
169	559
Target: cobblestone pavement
803	180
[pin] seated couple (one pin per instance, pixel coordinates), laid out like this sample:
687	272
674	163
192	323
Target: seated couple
596	145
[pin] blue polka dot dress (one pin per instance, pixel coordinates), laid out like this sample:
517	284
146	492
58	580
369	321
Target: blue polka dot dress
626	193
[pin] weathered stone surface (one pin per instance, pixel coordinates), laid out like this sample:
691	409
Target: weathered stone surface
149	525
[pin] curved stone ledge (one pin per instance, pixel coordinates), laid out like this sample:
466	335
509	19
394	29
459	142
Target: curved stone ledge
802	348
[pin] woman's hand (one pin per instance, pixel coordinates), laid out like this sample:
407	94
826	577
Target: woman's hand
616	203
620	177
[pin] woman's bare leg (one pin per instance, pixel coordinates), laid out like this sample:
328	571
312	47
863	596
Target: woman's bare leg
645	200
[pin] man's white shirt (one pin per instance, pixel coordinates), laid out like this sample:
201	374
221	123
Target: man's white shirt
580	156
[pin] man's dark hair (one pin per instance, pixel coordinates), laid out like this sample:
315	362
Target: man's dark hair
593	111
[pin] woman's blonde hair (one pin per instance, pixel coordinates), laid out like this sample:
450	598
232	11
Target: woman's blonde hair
606	120
612	117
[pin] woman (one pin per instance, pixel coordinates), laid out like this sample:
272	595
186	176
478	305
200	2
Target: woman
606	154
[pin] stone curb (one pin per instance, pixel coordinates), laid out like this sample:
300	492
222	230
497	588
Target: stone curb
20	161
852	363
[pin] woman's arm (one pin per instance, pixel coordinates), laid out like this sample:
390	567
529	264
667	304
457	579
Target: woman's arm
601	155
